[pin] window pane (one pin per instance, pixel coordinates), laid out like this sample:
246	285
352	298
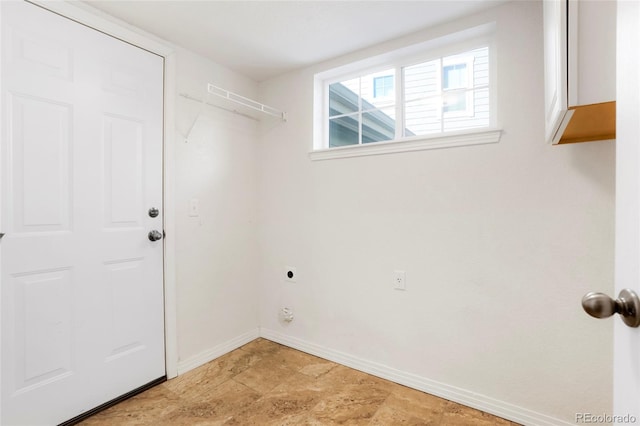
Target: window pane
476	63
421	80
378	125
422	117
476	115
343	131
344	97
378	89
455	102
454	76
383	86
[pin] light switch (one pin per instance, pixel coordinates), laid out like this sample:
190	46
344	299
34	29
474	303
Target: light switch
194	207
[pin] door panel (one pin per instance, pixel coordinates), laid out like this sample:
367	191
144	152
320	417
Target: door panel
36	52
40	178
127	327
42	337
123	172
81	285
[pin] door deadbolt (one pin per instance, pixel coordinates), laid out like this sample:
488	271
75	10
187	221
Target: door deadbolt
599	305
155	235
153	212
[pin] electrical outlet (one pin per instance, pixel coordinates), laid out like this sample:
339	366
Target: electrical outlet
287	314
399	280
290	274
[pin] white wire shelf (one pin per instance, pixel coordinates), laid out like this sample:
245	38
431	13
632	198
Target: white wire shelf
246	102
252	109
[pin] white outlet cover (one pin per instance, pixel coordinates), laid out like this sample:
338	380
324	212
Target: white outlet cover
399	280
290	270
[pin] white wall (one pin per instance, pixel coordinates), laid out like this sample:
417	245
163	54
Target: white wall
215	252
499	244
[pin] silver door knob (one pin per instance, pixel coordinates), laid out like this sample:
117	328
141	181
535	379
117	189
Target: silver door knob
155	235
599	305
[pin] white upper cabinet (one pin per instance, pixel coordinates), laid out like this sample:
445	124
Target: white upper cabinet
555	67
579	43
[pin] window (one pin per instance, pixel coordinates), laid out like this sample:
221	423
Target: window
362	110
447	94
454	77
407	100
383	86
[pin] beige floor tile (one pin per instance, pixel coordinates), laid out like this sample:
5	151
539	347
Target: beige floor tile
317	370
341	375
212	374
459	415
261	346
352	404
283	408
214	407
286	404
407	406
298	361
142	409
264	375
264	383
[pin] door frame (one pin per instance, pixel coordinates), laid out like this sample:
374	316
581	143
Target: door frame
87	15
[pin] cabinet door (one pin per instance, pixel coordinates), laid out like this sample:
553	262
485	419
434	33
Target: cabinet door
555	69
592	46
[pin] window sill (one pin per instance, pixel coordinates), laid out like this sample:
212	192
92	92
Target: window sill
475	137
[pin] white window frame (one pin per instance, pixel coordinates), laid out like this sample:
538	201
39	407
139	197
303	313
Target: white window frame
450	45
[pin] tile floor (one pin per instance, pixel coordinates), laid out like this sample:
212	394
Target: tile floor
264	383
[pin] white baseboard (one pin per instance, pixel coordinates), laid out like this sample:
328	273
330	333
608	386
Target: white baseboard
471	399
217	351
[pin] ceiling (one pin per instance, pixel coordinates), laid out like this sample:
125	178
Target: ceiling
262	39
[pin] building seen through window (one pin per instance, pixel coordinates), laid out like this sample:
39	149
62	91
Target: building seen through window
440	95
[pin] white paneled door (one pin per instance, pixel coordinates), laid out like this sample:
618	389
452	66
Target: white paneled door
81	285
